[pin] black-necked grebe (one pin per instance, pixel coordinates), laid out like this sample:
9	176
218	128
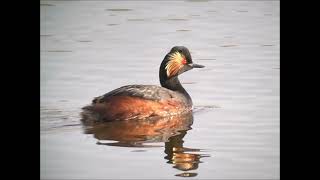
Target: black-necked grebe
145	101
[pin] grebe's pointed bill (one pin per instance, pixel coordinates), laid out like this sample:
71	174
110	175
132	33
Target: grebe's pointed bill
196	65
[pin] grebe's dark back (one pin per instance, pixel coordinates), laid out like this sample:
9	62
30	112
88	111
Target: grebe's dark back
145	101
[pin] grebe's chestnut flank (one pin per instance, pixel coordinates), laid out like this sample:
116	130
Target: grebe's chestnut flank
145	101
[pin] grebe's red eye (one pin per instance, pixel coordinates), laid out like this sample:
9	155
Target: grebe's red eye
184	61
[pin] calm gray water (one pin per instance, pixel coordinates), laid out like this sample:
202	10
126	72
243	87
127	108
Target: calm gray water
91	47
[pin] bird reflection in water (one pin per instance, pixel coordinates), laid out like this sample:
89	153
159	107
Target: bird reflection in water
183	158
142	133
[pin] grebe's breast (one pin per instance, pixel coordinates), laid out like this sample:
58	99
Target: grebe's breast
140	101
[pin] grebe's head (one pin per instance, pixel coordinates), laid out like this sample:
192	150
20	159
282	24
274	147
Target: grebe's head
176	62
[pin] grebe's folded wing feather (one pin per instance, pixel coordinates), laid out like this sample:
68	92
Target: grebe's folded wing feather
150	92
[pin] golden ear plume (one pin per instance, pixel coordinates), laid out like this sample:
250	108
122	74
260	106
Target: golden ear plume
174	64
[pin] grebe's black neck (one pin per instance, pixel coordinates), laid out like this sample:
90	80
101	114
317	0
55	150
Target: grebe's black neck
174	85
171	83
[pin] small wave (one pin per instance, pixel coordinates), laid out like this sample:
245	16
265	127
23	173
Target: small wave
206	108
55	118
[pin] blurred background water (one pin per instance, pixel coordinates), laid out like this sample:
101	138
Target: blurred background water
91	47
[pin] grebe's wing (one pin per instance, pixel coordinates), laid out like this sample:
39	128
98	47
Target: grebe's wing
150	92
